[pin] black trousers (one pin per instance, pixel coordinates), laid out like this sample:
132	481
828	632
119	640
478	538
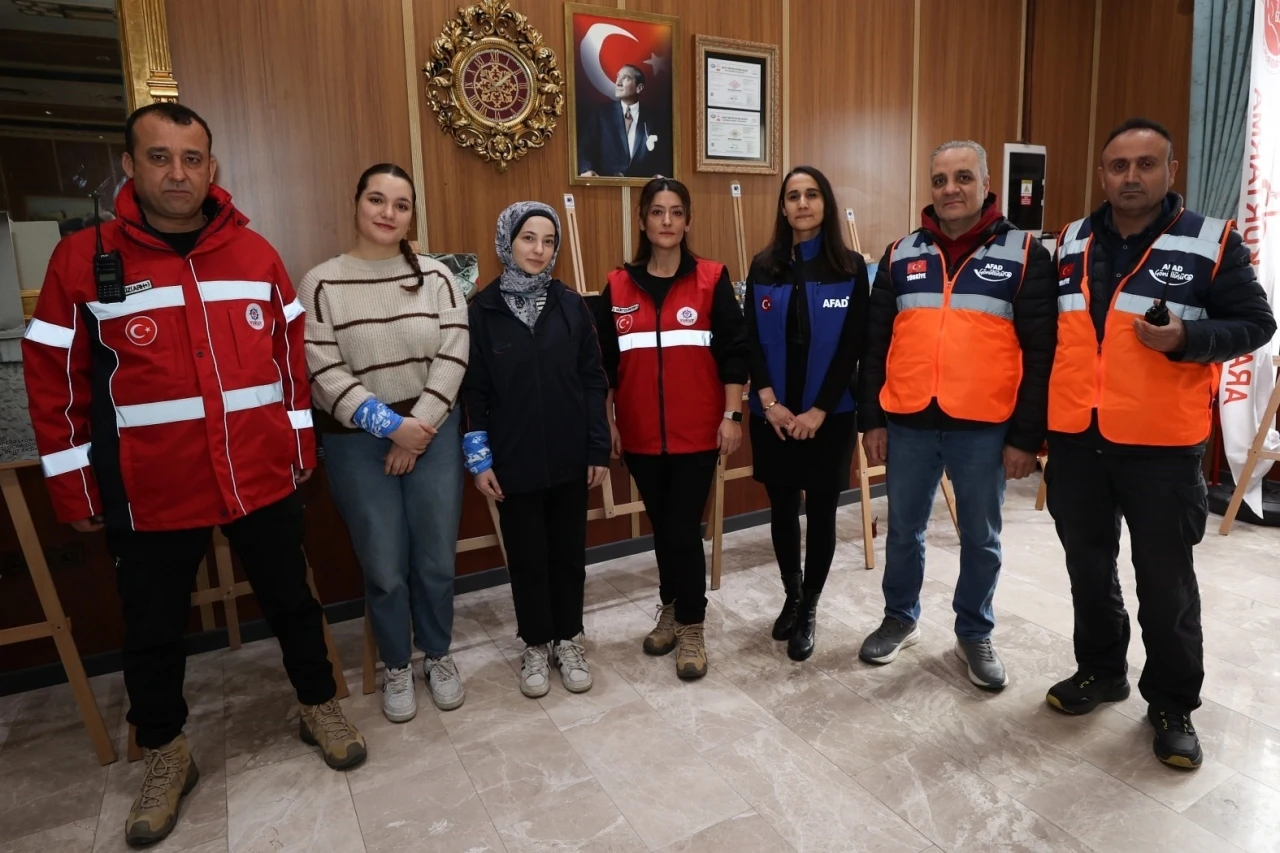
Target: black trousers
674	488
820	541
545	533
1164	501
155	573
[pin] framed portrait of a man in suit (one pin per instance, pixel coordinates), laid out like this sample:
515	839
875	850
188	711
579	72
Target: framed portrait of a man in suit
623	97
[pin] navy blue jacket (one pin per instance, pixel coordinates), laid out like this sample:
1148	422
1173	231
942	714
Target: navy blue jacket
540	393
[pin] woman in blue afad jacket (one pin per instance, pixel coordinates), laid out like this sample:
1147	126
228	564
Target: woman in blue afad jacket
806	312
537	438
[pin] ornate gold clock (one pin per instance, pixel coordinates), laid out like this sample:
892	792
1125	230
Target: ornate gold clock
492	83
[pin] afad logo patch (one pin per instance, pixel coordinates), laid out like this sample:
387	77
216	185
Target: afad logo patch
994	272
1171	275
830	302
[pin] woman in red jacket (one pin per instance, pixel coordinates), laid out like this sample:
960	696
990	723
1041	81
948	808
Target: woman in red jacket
673	344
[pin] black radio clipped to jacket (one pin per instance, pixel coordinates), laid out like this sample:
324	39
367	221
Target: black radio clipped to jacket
1158	314
108	267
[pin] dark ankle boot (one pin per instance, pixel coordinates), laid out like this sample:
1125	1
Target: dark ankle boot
800	647
786	621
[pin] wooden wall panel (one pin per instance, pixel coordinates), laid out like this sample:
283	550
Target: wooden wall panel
968	85
302	96
1153	79
851	108
1059	69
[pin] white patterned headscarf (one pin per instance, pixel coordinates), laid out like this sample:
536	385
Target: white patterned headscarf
520	290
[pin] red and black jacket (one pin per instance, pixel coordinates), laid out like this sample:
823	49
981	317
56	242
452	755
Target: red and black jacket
187	405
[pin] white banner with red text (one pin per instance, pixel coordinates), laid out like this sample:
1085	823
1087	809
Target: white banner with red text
1247	381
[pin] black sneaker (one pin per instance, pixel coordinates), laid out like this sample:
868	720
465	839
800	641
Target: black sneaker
1176	743
1081	693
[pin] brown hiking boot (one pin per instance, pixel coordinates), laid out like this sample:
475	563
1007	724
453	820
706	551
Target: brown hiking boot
171	774
326	726
662	639
691	655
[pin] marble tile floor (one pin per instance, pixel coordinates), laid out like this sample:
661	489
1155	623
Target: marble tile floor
762	755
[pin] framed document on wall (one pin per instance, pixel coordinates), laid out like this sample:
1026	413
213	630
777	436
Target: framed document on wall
737	109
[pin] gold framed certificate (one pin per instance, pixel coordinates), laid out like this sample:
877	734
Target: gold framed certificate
737	106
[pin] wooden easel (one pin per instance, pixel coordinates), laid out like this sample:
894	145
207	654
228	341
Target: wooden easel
575	246
865	473
56	624
1256	452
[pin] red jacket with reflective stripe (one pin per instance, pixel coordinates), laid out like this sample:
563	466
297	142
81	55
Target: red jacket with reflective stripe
186	405
669	397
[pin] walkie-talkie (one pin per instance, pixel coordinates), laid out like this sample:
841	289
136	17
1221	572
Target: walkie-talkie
1158	313
108	267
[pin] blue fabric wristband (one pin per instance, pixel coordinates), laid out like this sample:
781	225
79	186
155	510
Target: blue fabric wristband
475	452
377	418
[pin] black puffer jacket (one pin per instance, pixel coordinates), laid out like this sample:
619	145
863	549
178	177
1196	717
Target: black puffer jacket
1035	320
539	393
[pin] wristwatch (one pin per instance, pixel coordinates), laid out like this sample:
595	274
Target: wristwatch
736	417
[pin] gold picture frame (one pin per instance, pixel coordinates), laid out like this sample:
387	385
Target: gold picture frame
493	84
667	114
743	112
144	48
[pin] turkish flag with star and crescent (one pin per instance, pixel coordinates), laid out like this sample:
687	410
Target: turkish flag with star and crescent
604	43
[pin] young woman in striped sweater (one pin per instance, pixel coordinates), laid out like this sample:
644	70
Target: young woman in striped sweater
387	347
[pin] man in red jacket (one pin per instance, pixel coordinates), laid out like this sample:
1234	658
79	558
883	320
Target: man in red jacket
183	405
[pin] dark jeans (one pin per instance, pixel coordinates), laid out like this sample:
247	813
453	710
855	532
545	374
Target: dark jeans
1164	501
545	534
674	488
974	460
820	540
155	573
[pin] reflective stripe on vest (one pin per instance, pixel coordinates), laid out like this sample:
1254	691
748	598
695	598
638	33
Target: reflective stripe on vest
1141	397
677	338
954	339
192	408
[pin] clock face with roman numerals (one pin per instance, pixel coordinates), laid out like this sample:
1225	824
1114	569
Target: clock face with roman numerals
495	83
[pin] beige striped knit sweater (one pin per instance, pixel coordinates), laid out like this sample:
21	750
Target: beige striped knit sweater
368	336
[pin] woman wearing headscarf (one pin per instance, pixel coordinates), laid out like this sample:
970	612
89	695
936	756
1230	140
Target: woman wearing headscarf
537	438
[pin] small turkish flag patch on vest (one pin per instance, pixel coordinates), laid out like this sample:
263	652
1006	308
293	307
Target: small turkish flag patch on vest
914	267
766	304
142	331
1066	270
624	324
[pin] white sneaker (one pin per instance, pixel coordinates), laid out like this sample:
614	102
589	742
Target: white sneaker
535	672
575	674
445	683
399	699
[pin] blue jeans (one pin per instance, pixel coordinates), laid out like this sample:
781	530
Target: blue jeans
974	460
405	532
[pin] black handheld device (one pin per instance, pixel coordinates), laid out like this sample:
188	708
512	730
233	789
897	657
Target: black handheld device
108	267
